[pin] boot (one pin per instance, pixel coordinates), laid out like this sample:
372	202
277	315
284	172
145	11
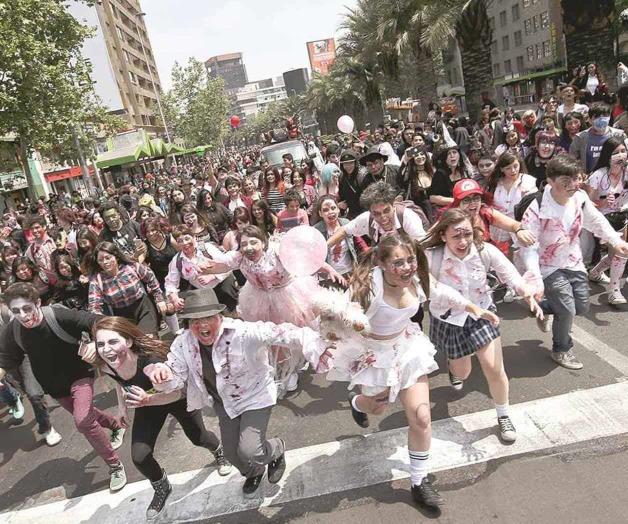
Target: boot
162	491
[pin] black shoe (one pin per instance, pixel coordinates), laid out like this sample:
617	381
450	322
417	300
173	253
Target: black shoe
277	467
361	419
251	484
162	492
426	494
456	382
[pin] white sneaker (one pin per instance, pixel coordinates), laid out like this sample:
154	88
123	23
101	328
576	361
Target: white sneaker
293	382
116	437
545	325
52	437
509	296
599	278
17	411
615	298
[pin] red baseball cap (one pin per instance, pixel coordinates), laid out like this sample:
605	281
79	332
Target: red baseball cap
465	188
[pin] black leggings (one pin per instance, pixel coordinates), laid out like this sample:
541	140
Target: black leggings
147	424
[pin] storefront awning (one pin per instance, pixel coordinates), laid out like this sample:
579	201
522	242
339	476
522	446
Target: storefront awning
126	155
532	76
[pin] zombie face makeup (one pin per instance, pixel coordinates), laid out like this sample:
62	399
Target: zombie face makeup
206	329
329	212
112	347
251	247
187	244
112	219
384	215
26	312
400	267
459	238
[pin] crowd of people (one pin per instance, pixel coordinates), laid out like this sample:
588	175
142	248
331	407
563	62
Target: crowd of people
431	216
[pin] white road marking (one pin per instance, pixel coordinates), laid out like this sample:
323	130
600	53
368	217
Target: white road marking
609	355
357	462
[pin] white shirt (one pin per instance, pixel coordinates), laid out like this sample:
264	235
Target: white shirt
189	269
583	109
244	378
468	277
412	226
505	200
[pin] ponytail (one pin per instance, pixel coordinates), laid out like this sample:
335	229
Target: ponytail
361	282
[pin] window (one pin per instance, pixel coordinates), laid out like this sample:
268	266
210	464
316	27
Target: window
547	50
127	56
494	47
505	43
491	22
507	67
519	64
528	26
545	21
132	77
503	19
518	38
535	23
496	70
539	51
530	50
120	33
515	12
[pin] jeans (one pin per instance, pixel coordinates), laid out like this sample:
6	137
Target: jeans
566	295
8	395
244	440
89	420
23	376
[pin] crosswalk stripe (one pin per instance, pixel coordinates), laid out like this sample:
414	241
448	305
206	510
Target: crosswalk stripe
358	462
608	354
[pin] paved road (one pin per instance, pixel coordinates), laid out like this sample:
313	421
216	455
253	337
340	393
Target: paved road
539	486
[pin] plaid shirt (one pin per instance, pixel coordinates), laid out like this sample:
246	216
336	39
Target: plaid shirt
124	289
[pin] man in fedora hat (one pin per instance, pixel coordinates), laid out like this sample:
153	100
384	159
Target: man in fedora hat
377	170
224	362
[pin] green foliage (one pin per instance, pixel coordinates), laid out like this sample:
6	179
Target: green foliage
45	86
196	107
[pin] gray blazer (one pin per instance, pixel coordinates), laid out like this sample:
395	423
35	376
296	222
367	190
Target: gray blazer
320	226
578	147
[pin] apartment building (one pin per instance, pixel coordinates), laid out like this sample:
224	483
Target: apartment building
528	51
230	67
124	68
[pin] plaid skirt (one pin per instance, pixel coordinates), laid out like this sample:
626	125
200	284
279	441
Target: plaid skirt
462	341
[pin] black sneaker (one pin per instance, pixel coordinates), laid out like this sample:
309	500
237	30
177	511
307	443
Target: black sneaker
251	484
162	492
426	494
277	467
361	419
455	381
507	431
223	465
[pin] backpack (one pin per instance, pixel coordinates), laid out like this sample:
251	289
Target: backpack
438	254
400	207
526	200
53	324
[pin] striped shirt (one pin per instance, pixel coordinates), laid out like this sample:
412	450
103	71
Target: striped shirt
124	289
275	200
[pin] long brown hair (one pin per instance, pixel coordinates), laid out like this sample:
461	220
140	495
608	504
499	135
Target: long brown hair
143	344
451	217
361	284
505	159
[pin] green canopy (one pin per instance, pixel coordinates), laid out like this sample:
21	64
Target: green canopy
154	148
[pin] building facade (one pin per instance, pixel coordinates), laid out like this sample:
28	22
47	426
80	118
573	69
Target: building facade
256	96
296	81
528	51
230	67
124	68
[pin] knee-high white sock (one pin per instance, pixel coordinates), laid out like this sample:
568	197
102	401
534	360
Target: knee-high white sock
617	270
418	466
172	321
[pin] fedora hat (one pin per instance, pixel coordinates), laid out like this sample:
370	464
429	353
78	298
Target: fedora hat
373	154
200	303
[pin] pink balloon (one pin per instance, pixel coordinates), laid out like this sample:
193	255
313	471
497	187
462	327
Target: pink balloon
302	251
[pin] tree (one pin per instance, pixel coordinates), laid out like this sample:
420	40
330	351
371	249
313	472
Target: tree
45	85
589	35
468	22
196	107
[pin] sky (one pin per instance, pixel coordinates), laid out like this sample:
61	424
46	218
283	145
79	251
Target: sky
271	34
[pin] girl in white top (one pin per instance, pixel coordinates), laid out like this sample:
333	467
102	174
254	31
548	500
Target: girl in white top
459	259
395	357
607	187
508	186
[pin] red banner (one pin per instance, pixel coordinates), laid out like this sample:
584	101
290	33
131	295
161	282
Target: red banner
322	54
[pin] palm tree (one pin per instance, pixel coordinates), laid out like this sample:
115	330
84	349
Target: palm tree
588	29
400	26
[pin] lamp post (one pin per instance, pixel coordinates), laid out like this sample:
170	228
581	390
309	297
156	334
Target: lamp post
152	81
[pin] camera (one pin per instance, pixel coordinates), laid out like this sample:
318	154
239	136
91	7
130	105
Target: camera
412	152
